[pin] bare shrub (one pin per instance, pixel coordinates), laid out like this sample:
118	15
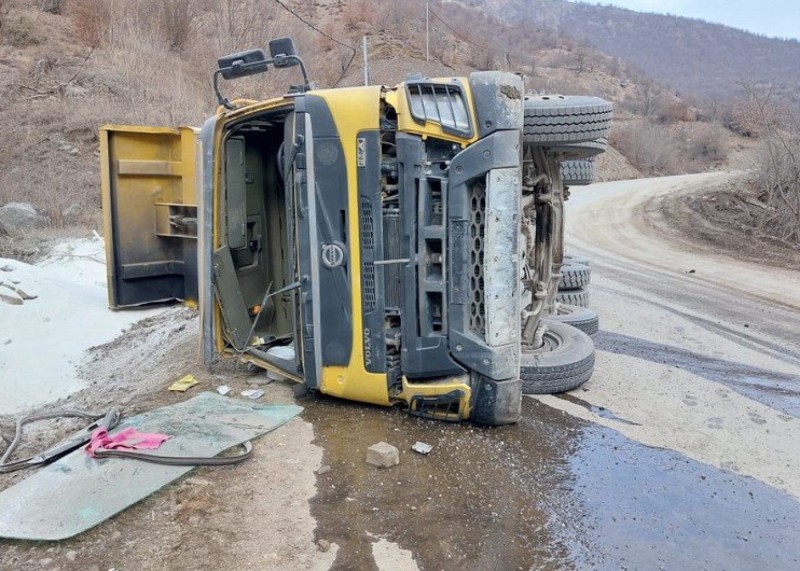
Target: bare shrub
705	144
670	110
358	13
21	32
91	20
242	24
778	181
177	22
648	146
52	6
755	112
395	17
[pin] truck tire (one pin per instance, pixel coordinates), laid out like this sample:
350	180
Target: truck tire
571	259
574	276
586	150
560	119
579	297
578	317
579	172
563	363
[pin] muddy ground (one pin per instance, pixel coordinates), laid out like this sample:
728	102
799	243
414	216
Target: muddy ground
552	492
682	451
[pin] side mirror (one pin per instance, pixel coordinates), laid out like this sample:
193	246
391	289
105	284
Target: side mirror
283	52
242	64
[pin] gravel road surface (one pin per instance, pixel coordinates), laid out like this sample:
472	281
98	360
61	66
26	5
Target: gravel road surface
698	352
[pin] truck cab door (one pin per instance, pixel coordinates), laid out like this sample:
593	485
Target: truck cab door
149	214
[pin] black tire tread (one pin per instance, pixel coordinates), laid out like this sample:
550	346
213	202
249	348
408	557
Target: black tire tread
564	368
574	276
580	318
559	379
571	259
565	119
579	297
577	172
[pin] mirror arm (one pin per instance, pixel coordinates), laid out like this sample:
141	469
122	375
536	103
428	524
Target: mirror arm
278	59
220	99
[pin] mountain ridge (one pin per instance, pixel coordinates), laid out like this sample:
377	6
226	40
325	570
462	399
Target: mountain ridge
693	56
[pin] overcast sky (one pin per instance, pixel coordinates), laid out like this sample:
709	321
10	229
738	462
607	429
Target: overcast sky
774	18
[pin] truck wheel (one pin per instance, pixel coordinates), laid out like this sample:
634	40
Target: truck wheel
578	172
560	119
579	297
578	317
564	362
570	259
574	276
575	151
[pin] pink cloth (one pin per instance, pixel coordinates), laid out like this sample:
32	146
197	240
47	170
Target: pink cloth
128	439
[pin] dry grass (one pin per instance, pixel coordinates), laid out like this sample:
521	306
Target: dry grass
657	150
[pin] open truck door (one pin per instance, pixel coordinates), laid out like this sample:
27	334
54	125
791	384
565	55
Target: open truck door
149	214
255	213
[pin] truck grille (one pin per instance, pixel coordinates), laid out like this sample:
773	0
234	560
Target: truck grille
393	273
477	308
367	255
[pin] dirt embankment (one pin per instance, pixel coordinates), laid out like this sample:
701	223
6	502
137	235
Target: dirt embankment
725	219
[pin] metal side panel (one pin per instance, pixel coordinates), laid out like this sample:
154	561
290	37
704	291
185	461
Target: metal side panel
149	214
204	190
501	259
471	261
226	287
308	245
333	239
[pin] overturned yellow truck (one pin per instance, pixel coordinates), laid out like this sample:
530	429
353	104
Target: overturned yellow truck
390	245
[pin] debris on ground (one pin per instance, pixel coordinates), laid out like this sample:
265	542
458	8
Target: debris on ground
323	470
383	455
183	384
22	293
253	394
421	447
88	492
9	297
323	545
223	389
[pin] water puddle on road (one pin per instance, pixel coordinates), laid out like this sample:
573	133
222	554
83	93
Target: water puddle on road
780	391
600	411
551	492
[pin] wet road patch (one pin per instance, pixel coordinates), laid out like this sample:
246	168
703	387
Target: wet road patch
552	492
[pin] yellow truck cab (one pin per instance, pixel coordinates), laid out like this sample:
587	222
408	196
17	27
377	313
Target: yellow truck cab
363	241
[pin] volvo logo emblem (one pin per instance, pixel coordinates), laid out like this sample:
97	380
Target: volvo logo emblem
332	255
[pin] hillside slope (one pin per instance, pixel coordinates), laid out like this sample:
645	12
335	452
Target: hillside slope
692	56
150	62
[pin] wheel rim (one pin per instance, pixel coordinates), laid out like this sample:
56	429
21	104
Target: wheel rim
551	341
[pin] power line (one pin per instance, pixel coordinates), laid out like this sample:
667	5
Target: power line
313	27
446	25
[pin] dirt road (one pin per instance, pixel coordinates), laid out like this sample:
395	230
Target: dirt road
682	451
698	349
